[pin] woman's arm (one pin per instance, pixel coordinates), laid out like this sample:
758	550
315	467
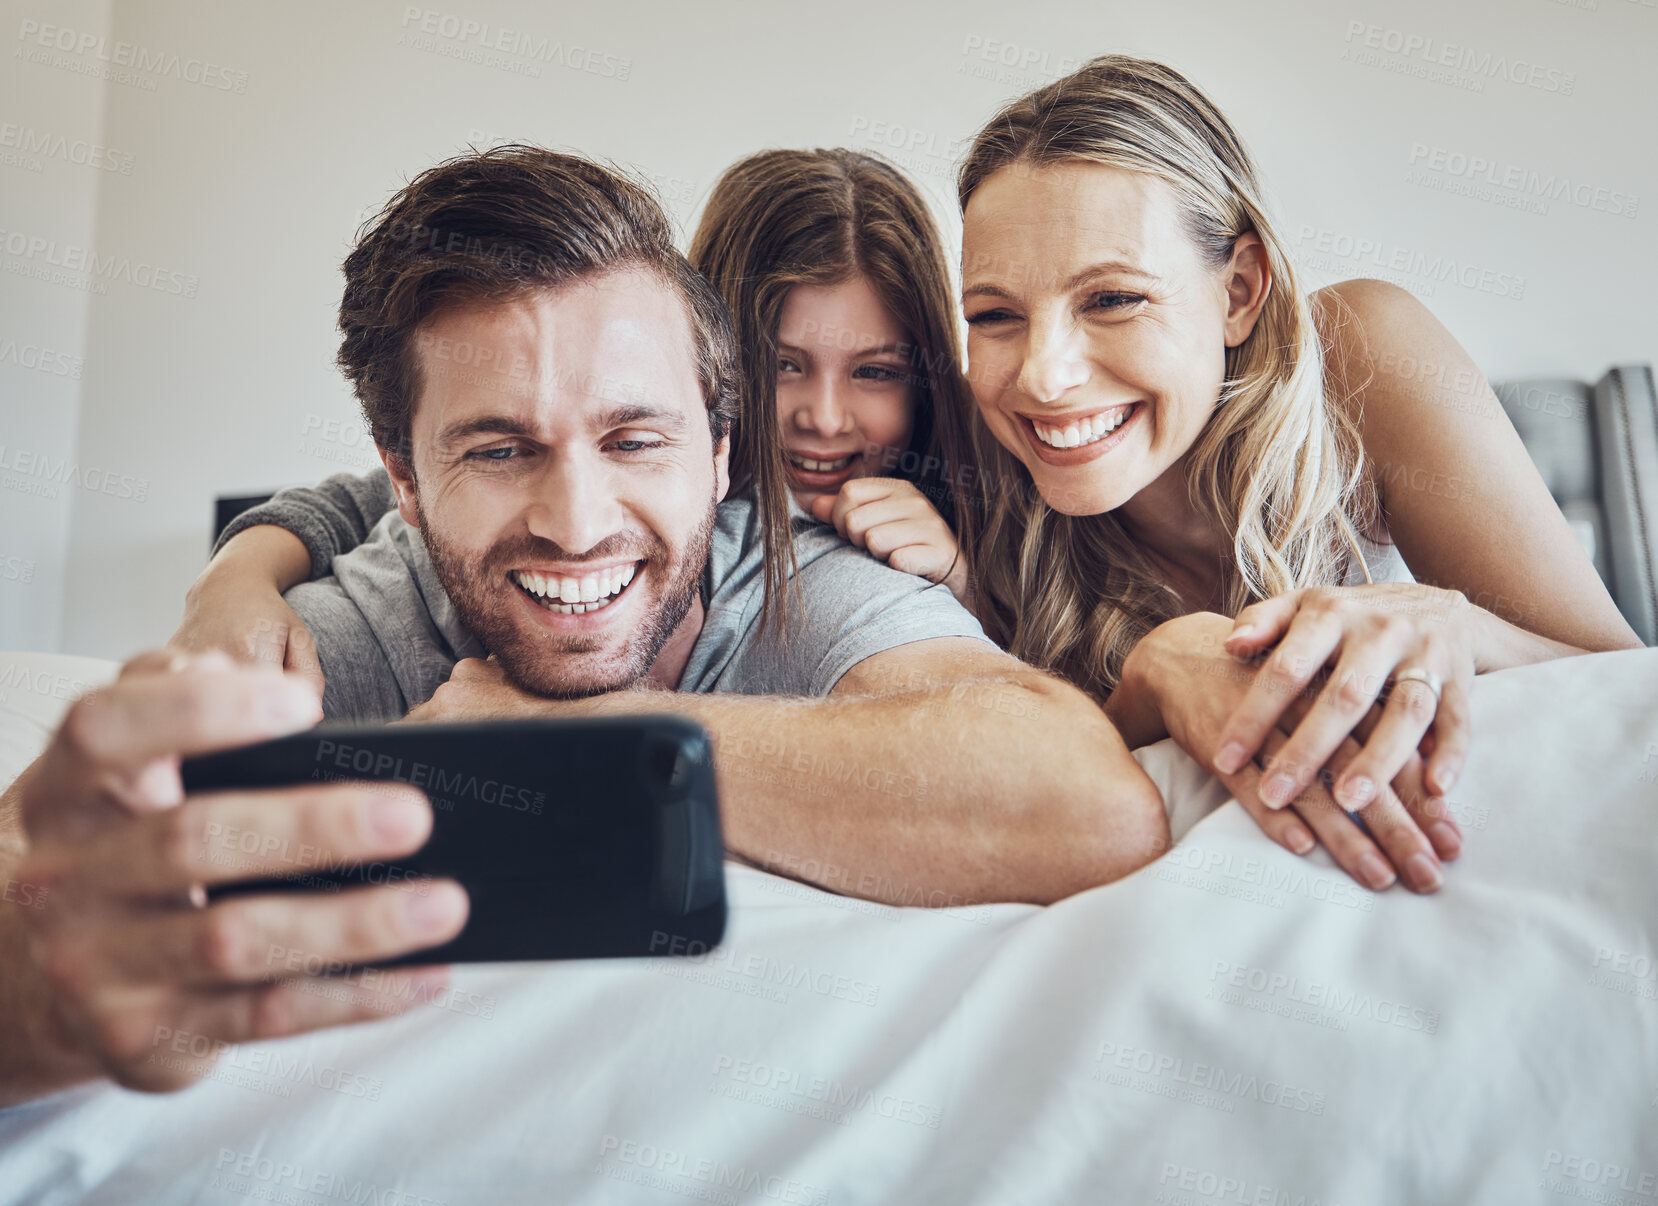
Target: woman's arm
1458	491
1502	580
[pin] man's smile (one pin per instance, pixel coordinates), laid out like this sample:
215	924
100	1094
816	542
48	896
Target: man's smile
566	595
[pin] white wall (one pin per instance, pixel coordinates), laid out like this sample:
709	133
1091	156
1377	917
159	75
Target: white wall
53	158
246	198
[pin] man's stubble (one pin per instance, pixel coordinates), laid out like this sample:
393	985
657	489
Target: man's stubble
538	662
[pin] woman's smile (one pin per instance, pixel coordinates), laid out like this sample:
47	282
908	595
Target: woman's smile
1065	441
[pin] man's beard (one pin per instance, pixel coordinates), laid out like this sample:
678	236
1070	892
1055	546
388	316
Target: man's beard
548	665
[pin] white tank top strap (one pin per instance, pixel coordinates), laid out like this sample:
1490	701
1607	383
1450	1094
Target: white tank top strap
1383	559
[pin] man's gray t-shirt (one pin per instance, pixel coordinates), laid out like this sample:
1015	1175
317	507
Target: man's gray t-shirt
388	636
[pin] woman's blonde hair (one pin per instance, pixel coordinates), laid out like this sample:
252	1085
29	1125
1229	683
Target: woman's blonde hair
1277	464
783	218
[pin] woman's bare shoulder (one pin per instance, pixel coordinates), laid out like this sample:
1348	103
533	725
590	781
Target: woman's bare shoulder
1379	342
1361	320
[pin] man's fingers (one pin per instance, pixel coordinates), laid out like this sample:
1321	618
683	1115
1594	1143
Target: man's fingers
226	837
167	660
248	939
159	1042
117	751
202	705
303	1004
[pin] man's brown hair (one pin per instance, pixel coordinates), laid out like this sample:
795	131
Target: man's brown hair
492	226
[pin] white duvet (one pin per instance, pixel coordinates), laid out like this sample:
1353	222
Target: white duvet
1233	1025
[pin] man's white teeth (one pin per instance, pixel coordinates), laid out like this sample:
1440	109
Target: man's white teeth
806	462
1082	431
576	596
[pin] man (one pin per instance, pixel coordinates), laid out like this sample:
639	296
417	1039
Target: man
564	518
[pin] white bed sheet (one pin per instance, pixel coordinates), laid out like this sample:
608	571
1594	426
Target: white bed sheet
1233	1025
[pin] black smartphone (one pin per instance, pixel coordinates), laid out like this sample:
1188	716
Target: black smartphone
575	839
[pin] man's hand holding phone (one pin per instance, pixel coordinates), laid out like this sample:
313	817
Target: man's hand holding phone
125	954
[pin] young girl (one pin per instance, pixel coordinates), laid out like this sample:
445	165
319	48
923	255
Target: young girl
843	307
840	292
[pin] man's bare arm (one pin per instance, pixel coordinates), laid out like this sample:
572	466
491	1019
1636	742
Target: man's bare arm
938	772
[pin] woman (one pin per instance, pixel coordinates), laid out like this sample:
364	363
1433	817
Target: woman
1168	427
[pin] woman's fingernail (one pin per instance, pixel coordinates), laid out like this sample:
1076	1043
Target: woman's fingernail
1444	779
1231	758
1375	872
1242	630
1356	792
1423	873
1445	839
1298	839
1278	789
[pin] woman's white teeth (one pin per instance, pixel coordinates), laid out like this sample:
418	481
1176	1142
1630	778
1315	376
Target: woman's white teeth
806	462
1083	431
576	596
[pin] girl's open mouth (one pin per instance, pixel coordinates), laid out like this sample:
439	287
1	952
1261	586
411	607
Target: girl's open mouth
819	473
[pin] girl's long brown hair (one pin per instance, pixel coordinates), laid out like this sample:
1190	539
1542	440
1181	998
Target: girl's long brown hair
795	217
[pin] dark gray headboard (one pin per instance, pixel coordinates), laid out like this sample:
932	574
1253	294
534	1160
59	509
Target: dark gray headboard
1597	448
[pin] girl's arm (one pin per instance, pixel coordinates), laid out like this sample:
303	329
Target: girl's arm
330	518
236	604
